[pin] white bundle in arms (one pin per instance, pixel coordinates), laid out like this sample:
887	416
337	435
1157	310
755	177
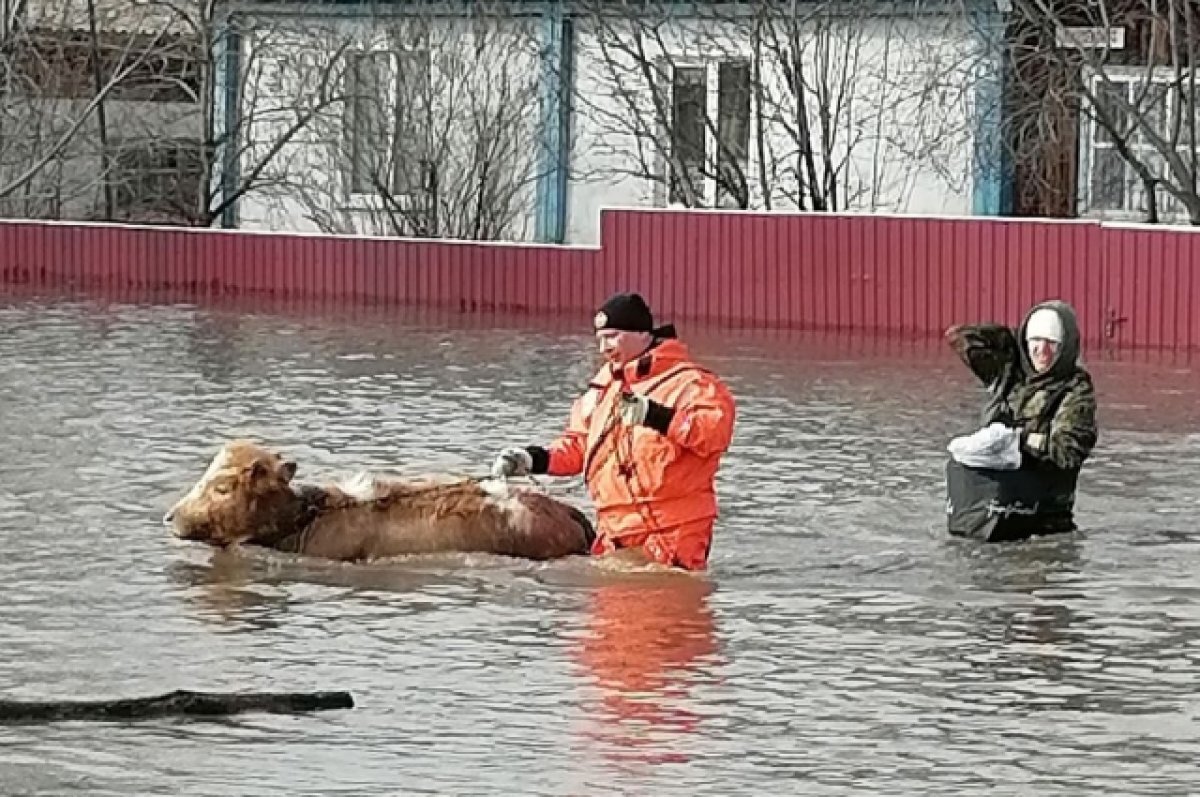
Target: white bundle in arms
995	446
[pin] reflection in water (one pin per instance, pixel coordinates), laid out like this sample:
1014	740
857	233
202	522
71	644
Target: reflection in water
250	589
1028	566
646	642
228	591
840	644
1035	637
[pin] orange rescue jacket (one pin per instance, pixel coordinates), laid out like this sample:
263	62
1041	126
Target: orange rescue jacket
640	480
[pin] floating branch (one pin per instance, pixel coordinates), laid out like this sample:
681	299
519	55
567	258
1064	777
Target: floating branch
179	702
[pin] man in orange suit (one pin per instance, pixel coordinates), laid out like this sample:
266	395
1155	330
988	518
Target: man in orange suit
648	435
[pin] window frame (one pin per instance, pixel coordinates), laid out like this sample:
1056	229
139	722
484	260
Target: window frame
359	194
1092	145
710	187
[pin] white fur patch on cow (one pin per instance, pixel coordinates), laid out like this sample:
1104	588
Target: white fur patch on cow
219	463
361	486
504	498
496	488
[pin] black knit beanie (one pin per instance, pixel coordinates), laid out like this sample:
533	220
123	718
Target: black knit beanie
627	312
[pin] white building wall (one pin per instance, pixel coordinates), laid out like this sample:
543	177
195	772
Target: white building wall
901	134
482	90
900	89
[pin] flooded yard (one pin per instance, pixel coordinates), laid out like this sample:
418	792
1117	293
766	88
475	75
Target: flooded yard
841	643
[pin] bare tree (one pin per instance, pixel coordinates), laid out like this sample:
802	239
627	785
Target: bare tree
61	65
1119	78
819	106
159	110
434	134
245	108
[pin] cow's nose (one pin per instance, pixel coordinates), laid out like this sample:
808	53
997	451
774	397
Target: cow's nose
167	518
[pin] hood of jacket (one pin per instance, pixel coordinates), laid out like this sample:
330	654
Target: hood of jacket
1067	361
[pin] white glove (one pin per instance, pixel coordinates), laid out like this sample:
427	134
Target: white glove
633	409
512	461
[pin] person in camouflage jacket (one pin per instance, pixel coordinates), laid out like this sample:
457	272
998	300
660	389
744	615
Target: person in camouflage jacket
1035	382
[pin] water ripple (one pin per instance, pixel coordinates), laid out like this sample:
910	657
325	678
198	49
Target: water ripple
841	643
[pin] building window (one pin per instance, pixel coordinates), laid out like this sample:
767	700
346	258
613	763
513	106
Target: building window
156	181
367	127
57	64
1111	186
733	133
410	164
689	123
712	155
387	95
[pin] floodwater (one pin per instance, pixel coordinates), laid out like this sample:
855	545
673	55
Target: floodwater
840	643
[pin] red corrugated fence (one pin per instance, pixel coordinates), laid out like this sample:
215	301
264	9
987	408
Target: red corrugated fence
899	275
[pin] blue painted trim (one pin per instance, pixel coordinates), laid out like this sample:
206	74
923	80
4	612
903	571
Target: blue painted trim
228	81
566	90
557	56
991	163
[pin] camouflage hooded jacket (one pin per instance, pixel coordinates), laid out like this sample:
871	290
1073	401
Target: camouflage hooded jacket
1056	409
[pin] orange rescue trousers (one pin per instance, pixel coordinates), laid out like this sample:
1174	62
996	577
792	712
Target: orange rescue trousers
686	545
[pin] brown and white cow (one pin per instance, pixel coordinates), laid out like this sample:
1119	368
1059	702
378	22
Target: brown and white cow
246	497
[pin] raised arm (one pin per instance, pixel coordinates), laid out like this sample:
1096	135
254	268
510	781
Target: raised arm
700	420
989	350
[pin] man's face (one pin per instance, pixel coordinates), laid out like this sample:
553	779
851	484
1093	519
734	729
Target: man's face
1042	352
619	347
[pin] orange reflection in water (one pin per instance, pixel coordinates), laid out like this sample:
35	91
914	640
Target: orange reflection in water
648	641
